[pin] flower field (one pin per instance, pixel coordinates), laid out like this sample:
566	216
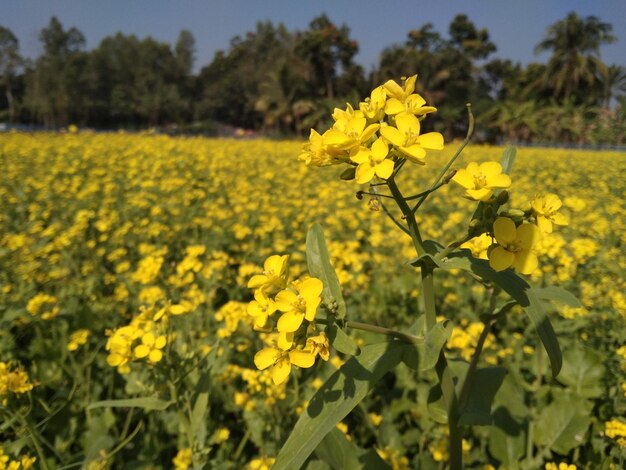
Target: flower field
126	339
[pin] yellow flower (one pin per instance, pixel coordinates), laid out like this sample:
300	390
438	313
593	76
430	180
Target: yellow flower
372	162
400	93
274	275
561	466
77	339
545	207
298	303
281	361
479	181
319	345
479	245
182	460
514	246
261	308
402	99
406	136
150	347
348	133
315	153
221	435
373	108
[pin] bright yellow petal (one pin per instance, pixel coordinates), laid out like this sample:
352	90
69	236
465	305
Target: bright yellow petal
415	153
360	155
290	321
504	230
380	149
384	169
160	342
409	85
544	224
408	124
311	288
415	101
526	262
482	194
490	169
141	351
463	178
500	259
393	135
528	235
369	132
266	357
431	140
304	359
285	340
393	89
365	172
311	308
155	355
394	106
559	219
553	202
285	300
148	339
178	309
280	371
337	139
498	181
257	281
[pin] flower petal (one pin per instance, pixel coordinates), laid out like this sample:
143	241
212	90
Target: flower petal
302	358
393	106
528	235
280	371
464	178
490	168
290	321
415	153
504	230
285	340
498	181
408	124
266	357
380	149
155	355
482	194
365	172
360	155
285	300
384	169
500	259
431	140
526	262
393	135
310	288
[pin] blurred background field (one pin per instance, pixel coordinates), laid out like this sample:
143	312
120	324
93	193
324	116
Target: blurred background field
95	227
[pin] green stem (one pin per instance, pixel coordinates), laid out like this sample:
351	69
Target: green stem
394	220
468	136
356	325
408	215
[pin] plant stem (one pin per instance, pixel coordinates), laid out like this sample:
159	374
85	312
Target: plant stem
468	136
378	329
408	215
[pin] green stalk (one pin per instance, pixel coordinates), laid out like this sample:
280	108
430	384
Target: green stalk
443	371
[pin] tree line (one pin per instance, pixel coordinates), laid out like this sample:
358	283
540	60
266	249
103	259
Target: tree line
279	82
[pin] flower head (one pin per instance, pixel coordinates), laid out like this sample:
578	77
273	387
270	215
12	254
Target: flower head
299	302
280	361
514	246
545	207
480	181
274	276
372	162
406	136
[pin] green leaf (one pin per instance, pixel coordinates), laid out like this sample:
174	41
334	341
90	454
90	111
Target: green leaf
319	265
583	371
199	414
147	403
341	341
336	398
557	294
423	356
435	403
348	174
562	425
507	160
337	451
507	438
482	389
526	296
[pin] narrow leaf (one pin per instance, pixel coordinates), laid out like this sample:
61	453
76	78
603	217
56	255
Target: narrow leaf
507	160
558	294
147	403
483	387
319	265
341	341
336	398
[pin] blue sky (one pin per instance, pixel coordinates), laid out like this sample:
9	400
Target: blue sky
515	26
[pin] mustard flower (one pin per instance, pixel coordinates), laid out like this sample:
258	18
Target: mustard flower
298	303
77	339
480	181
150	347
406	136
373	108
514	246
274	276
319	345
349	133
315	153
372	162
545	207
261	308
281	361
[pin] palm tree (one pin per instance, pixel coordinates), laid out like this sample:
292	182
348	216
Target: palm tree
575	63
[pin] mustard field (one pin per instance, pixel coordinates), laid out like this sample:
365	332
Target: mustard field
126	339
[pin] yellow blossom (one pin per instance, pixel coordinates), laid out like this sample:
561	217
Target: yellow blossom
514	246
480	181
372	162
406	137
545	207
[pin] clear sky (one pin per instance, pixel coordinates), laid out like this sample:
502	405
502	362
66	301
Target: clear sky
515	26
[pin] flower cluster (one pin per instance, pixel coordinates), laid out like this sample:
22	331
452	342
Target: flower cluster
516	236
23	463
144	338
43	305
78	338
384	129
298	302
13	380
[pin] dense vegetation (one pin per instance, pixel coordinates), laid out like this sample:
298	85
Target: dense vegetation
277	81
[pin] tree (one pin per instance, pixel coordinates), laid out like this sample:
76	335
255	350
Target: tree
574	68
10	61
